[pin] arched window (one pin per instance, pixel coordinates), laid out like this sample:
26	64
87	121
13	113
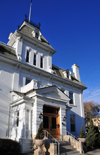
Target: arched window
72	123
27	56
34	60
41	62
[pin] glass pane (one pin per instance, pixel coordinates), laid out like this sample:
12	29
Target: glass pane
41	63
72	127
72	119
50	110
28	81
71	95
34	59
45	122
27	56
53	122
71	101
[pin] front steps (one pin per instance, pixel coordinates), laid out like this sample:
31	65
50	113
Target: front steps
67	149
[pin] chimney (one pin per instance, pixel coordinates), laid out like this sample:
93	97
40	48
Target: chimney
75	68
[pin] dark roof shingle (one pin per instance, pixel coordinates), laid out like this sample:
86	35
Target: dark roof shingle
7	51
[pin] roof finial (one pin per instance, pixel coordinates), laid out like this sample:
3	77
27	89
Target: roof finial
30	11
25	16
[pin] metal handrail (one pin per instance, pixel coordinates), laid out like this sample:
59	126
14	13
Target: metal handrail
56	141
72	135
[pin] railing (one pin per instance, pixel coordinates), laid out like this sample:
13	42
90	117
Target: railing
68	133
48	135
33	23
76	142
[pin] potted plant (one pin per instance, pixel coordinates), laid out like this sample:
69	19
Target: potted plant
39	138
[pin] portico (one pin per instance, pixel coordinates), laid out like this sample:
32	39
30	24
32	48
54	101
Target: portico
45	104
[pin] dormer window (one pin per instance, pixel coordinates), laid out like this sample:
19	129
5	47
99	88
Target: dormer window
36	35
68	75
41	62
27	56
34	60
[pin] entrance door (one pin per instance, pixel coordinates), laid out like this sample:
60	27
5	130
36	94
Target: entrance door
51	121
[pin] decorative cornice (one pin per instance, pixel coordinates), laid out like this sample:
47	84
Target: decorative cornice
37	70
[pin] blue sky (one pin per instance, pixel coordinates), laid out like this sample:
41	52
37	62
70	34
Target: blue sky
72	27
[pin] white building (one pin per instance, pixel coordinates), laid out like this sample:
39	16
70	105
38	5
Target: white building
33	90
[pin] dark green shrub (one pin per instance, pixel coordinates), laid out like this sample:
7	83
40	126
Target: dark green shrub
40	134
91	138
82	133
9	146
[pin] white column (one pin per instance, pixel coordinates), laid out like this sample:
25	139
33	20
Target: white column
29	134
62	115
23	124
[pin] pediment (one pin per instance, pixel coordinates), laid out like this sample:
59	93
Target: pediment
53	92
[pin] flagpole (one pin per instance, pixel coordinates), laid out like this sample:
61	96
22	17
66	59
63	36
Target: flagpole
30	11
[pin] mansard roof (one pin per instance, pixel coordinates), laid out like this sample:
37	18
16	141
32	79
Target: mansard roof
7	51
59	72
27	30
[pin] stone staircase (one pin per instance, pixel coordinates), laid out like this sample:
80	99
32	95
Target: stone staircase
63	147
67	149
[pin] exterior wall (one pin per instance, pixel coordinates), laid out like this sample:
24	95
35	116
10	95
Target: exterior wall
77	110
17	76
6	78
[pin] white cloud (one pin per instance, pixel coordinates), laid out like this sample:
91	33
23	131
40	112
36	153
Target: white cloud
92	95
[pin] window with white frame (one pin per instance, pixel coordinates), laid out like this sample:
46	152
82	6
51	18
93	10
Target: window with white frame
72	123
34	60
27	55
16	118
41	61
71	97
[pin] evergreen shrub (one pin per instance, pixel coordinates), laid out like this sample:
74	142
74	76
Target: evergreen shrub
82	133
40	134
92	136
8	146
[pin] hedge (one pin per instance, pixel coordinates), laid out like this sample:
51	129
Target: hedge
9	147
